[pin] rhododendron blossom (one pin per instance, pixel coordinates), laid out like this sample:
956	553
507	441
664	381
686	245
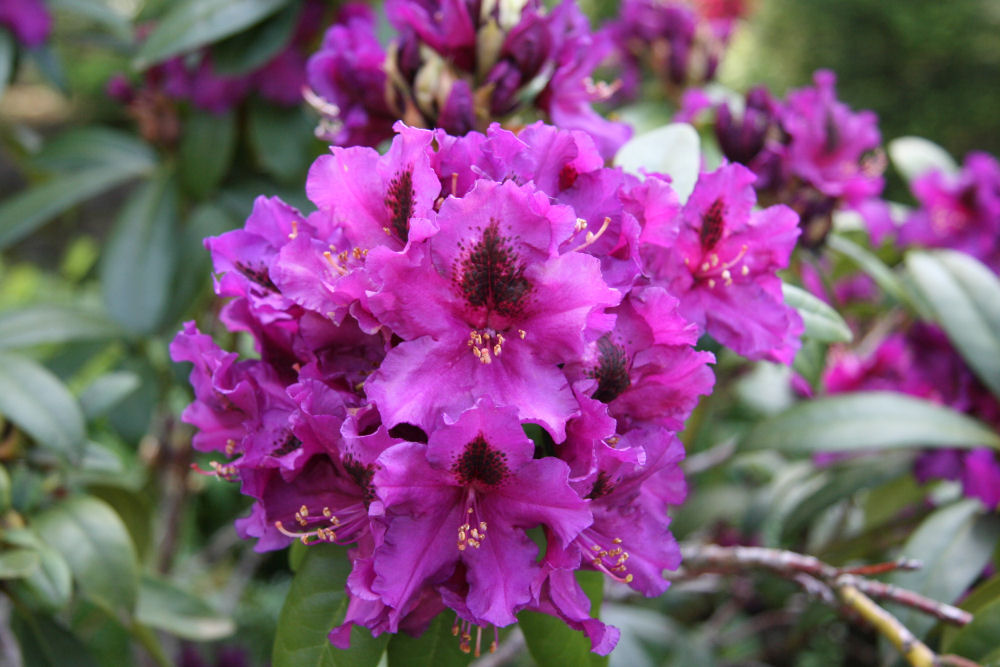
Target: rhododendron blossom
470	338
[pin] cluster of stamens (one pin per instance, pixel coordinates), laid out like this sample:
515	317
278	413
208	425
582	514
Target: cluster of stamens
611	561
338	260
224	471
470	535
713	267
591	237
324	533
487	344
463	630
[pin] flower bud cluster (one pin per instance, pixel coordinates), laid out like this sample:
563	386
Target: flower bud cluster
474	359
458	65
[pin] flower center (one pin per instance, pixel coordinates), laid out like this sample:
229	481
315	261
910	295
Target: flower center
399	199
611	372
491	275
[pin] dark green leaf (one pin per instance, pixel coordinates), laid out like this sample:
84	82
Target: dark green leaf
282	140
97	547
964	296
4	490
551	642
35	399
206	151
107	391
250	49
131	417
94	146
954	544
47	643
16	563
912	156
876	269
194	23
164	606
822	322
139	258
49	586
316	603
23	213
6	58
868	420
37	325
195	278
437	647
810	361
135	508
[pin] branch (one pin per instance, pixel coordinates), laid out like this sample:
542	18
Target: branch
828	583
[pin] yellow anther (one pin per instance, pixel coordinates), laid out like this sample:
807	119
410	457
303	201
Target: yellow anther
295	230
715	259
745	270
496	349
711	282
522	333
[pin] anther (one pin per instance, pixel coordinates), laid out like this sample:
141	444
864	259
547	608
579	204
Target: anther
295	230
592	237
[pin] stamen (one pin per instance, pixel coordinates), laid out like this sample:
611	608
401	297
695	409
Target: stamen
592	237
226	472
328	256
295	230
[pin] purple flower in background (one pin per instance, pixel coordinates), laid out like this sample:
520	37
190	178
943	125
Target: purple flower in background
723	266
960	211
29	20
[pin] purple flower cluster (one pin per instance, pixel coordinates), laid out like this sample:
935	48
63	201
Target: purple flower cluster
194	78
922	362
810	151
458	65
472	338
960	211
680	42
29	20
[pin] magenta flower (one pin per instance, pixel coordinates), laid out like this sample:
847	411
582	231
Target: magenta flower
723	266
29	20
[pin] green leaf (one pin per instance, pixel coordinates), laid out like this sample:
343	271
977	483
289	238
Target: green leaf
25	212
106	392
810	361
437	647
206	220
206	151
282	140
985	594
672	149
868	420
876	269
964	296
97	547
551	642
6	58
17	563
823	323
94	146
164	606
138	262
4	490
913	156
250	49
49	323
316	603
99	12
47	643
51	584
38	402
194	23
954	544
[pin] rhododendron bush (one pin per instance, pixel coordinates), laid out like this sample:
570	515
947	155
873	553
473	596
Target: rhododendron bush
438	333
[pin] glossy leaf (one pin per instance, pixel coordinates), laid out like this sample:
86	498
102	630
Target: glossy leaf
49	323
41	405
912	156
193	23
954	544
206	151
316	603
106	392
50	585
437	647
964	296
253	48
26	211
94	146
16	563
138	262
672	149
97	548
164	606
979	638
876	269
868	420
206	220
6	58
810	361
551	642
822	322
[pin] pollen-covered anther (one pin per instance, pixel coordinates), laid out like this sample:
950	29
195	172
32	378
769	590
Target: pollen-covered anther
295	230
332	261
230	447
580	225
727	277
224	471
591	237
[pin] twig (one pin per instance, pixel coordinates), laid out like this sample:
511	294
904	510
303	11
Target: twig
830	584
